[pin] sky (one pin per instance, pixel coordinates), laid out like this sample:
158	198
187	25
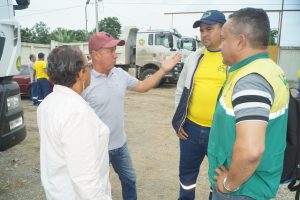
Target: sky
151	14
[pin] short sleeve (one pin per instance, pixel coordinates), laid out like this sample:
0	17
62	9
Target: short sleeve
252	98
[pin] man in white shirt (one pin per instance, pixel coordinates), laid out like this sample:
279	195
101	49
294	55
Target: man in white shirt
74	141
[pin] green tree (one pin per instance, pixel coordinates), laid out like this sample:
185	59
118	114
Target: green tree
27	35
42	32
80	35
39	33
61	35
110	25
67	35
272	37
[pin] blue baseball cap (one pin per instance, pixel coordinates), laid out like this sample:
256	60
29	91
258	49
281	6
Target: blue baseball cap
41	55
210	17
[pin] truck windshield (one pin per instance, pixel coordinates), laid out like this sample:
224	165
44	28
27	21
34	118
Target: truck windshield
162	39
188	44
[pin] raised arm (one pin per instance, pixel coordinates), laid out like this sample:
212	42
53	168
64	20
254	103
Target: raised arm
154	80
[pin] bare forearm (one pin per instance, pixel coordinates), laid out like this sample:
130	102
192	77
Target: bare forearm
150	82
155	79
244	163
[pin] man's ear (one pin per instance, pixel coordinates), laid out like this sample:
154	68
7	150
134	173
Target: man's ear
242	42
80	74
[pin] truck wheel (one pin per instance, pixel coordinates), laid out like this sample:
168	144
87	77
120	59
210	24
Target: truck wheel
147	73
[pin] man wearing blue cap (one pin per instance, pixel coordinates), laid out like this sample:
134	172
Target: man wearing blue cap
42	79
198	87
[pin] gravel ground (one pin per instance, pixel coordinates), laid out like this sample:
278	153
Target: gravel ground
153	146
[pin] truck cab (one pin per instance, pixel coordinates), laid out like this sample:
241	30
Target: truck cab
12	127
144	50
188	45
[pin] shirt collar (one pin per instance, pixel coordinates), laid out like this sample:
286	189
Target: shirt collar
247	61
64	89
213	51
98	74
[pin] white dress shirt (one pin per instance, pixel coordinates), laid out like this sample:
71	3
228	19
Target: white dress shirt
73	148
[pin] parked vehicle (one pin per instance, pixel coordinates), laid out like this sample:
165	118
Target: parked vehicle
188	45
12	127
24	82
144	50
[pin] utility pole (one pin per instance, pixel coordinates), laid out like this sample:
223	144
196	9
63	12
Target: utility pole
96	11
172	21
279	31
280	23
86	20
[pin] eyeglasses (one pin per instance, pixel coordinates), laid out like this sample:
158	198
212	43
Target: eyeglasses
89	65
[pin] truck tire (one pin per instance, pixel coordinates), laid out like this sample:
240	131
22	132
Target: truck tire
147	73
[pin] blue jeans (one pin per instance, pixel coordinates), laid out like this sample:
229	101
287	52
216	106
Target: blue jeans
220	196
43	89
121	162
192	152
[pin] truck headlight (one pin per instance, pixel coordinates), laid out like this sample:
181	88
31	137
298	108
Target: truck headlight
13	102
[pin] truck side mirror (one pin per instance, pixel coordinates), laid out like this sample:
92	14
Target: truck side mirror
170	39
193	45
22	4
180	44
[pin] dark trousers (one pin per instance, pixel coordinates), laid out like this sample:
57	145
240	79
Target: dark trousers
192	152
43	89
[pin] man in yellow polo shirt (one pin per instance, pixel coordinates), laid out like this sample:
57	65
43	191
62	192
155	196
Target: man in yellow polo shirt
198	87
43	86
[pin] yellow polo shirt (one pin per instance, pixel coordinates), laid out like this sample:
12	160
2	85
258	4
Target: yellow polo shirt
40	69
208	81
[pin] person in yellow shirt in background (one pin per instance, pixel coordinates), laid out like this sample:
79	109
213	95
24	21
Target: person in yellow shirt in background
197	91
40	73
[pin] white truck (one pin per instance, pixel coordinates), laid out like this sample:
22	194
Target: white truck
144	50
189	43
12	127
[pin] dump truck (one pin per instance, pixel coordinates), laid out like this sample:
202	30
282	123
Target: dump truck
145	49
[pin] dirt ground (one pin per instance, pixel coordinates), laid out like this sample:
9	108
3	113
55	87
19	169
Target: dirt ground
152	142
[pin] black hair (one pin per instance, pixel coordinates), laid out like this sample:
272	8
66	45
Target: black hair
41	55
64	65
254	23
31	56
